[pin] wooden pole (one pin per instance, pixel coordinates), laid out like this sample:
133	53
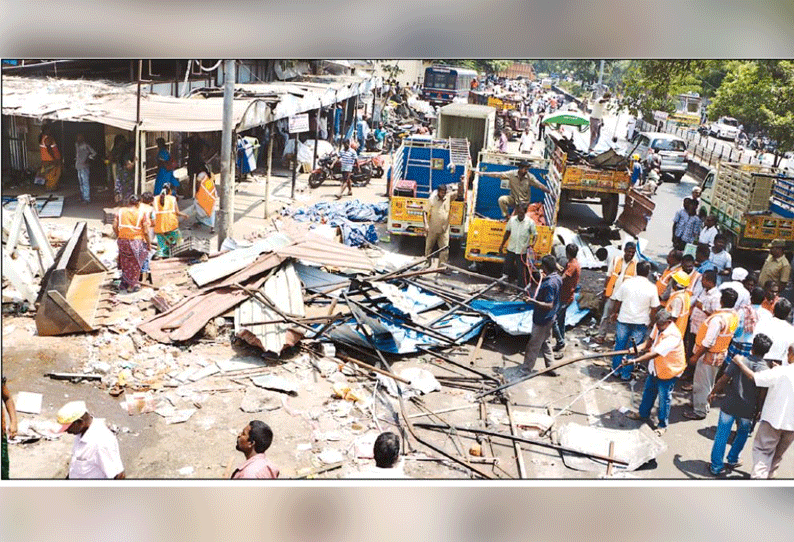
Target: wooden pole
294	166
226	209
137	135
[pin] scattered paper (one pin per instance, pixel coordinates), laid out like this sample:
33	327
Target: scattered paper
28	402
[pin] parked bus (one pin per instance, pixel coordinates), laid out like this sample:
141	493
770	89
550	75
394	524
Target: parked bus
445	84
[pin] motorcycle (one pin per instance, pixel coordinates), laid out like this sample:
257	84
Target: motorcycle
375	162
329	166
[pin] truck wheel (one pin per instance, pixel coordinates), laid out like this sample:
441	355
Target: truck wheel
609	207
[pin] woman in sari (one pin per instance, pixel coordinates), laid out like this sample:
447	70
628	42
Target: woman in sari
165	169
131	226
166	222
206	198
51	163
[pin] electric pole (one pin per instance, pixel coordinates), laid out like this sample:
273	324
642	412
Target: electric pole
226	208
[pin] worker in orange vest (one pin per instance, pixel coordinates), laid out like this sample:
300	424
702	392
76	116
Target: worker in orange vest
680	300
166	222
131	226
673	265
619	269
206	198
665	352
711	347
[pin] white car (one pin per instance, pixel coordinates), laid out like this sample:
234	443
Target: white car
725	128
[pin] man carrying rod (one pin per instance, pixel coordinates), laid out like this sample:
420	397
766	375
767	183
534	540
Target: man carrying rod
520	183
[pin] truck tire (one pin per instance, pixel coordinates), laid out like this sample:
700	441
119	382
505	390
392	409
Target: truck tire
609	207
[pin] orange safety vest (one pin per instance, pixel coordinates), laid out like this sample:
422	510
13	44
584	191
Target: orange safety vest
131	223
674	363
730	321
165	219
683	318
631	270
45	153
207	196
664	280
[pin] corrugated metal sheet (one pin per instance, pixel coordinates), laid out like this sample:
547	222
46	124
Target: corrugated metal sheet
315	249
284	290
637	212
230	262
115	105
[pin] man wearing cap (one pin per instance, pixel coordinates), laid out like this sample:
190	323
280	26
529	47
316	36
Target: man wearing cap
520	181
696	197
665	352
436	219
776	267
738	275
95	453
636	169
680	300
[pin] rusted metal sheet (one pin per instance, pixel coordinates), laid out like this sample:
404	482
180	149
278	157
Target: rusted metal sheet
184	320
284	290
637	211
71	288
170	271
315	249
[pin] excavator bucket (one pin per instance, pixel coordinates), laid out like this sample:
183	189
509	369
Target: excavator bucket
70	292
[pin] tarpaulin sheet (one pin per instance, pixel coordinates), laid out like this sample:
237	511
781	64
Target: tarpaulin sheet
515	317
389	336
345	215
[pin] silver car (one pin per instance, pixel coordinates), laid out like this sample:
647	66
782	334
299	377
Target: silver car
672	149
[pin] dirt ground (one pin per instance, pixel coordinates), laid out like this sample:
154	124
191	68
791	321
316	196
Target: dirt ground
313	429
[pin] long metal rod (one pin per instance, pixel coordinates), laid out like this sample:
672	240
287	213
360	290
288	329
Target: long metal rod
437	427
464	303
460	365
562	363
483	277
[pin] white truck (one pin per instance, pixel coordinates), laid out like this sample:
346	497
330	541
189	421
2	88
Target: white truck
467	121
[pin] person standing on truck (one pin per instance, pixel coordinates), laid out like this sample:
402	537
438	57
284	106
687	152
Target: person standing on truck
436	219
596	119
776	267
520	182
521	232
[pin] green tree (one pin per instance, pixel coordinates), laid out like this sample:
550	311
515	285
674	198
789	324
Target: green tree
760	95
650	85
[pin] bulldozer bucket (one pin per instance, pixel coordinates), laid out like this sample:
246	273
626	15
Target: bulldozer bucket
70	290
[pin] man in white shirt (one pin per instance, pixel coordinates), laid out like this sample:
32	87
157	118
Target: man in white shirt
621	267
736	283
636	303
95	453
721	258
776	431
709	231
526	141
780	331
596	118
520	234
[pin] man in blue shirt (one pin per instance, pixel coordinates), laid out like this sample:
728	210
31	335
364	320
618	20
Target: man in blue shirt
547	303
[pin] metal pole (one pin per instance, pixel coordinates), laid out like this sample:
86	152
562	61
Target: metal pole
316	136
269	169
294	166
138	162
226	211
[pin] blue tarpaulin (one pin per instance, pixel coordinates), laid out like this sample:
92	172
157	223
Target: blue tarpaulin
515	317
346	215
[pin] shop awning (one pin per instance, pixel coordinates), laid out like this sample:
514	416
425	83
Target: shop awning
116	105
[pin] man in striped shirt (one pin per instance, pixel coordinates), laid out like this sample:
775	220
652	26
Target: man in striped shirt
347	158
